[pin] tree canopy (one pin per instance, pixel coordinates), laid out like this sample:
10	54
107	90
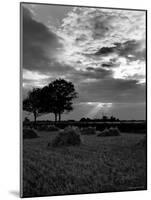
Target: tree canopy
32	102
57	97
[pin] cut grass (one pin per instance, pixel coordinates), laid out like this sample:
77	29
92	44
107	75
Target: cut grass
97	165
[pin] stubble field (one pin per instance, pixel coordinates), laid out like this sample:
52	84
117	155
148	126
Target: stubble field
99	164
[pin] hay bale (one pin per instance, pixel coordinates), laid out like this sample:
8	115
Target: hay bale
29	134
68	136
112	131
88	131
103	133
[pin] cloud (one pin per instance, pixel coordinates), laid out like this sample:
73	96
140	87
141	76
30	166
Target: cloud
91	28
101	37
112	90
40	45
29	75
132	50
109	64
88	37
93	73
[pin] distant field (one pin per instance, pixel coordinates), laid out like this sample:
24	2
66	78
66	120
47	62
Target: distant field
126	126
100	164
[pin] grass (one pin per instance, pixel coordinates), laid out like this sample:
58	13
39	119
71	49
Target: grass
99	164
29	134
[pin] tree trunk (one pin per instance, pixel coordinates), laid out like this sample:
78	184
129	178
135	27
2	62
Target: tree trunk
59	117
35	119
55	117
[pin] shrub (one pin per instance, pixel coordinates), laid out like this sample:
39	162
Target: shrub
47	128
112	131
68	136
88	130
29	134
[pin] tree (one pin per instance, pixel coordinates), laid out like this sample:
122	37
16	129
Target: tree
105	118
112	119
57	97
32	103
47	100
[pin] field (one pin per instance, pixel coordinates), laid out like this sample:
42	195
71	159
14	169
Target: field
99	164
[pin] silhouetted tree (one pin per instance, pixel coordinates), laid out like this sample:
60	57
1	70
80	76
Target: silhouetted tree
57	97
104	118
112	119
47	100
86	119
32	103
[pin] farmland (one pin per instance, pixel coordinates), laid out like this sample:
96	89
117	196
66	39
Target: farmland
99	164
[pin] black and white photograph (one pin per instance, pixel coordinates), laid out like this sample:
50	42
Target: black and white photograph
83	99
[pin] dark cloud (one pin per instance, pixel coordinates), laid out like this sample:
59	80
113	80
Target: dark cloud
90	68
90	73
131	49
98	85
39	44
98	73
112	90
109	64
105	51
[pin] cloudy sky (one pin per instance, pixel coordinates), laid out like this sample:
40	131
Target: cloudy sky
102	51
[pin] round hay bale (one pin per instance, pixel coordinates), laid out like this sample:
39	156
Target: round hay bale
103	133
29	134
68	136
112	131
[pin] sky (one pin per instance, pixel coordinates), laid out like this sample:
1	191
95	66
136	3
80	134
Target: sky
101	51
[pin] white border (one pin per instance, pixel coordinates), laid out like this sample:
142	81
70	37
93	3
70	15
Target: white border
9	98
